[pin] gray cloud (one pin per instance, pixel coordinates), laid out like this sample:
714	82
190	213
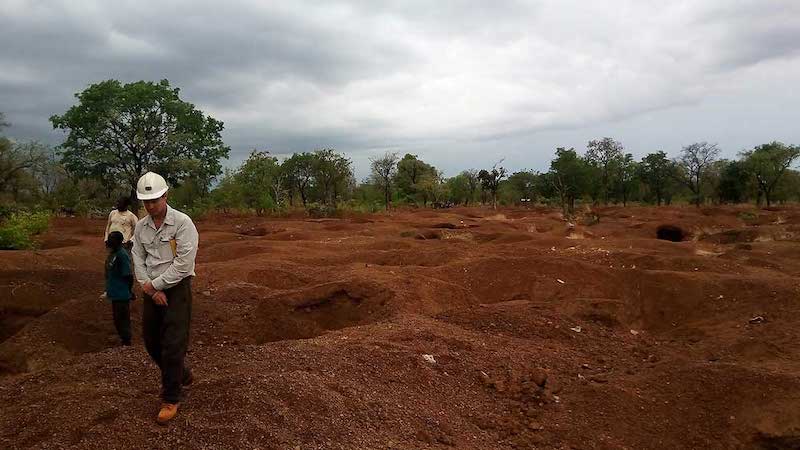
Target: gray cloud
462	83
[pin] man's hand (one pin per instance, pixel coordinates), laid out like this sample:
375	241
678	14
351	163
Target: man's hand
160	298
149	289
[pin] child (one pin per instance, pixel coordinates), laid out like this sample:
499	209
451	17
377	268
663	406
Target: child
118	285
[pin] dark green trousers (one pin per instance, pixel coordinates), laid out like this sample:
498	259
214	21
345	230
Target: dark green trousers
121	312
166	337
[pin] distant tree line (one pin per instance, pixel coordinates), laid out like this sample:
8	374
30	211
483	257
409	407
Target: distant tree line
605	174
115	132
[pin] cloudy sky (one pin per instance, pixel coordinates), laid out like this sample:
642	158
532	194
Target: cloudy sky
460	83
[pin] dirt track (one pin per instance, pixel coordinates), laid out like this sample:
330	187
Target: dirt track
311	334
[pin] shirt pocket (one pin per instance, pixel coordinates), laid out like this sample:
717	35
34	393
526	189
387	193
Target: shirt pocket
165	248
159	249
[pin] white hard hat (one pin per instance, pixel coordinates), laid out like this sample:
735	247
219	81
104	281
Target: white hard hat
151	186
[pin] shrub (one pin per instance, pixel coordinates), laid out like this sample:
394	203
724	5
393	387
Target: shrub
319	211
748	216
7	211
17	231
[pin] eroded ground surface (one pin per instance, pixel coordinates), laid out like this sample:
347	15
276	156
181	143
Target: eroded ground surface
311	334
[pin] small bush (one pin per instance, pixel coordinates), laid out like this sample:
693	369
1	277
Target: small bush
16	232
363	206
748	216
319	211
7	211
198	210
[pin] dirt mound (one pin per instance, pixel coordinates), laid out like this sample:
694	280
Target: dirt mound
27	295
428	235
732	236
230	251
446	225
253	231
277	278
55	242
343	226
310	312
502	238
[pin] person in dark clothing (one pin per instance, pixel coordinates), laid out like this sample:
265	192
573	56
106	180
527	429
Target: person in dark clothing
118	285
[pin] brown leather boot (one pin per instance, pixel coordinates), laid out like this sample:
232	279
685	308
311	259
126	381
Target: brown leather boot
168	411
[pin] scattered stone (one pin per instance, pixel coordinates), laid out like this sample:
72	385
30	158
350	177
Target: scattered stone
539	376
429	359
757	319
560	280
576	329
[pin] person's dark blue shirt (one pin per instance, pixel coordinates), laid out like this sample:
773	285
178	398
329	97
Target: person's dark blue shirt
118	273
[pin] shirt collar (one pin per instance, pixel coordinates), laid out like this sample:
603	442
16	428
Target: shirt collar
169	218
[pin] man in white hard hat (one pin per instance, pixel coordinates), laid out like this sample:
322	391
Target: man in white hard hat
164	249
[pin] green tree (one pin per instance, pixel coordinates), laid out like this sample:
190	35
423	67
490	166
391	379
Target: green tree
333	174
789	187
768	163
490	181
605	154
228	193
626	177
569	178
384	170
299	170
473	183
431	188
458	189
657	172
523	184
732	186
410	171
127	129
693	162
256	178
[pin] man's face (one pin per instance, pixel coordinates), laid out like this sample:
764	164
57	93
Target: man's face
156	207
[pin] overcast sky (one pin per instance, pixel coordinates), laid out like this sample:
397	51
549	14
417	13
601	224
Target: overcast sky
460	83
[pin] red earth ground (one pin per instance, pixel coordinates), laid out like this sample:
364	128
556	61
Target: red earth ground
315	334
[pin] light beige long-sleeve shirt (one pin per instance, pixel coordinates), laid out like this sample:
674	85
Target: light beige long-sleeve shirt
159	261
124	222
